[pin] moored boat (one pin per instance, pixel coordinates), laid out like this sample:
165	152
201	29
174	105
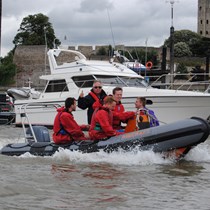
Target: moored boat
71	72
132	64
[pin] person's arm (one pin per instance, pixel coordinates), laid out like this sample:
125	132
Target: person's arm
84	127
84	102
123	116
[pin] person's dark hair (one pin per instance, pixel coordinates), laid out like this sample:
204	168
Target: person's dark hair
143	100
116	89
69	101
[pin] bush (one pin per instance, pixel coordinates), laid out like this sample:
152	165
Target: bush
181	69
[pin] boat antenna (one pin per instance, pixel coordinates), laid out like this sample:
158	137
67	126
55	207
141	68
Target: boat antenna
111	28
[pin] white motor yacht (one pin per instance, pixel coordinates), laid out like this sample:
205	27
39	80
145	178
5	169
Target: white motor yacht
71	72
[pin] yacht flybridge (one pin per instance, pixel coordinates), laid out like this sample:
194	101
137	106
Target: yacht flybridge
71	72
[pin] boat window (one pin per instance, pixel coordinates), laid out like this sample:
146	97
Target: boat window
83	81
134	82
56	86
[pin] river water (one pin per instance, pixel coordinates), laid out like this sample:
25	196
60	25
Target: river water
71	180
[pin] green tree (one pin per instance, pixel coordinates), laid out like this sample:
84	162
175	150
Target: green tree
137	55
102	51
181	71
110	51
201	47
36	30
191	39
181	49
186	36
7	69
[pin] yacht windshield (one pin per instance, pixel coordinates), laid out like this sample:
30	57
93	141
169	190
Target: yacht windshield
64	57
134	82
110	80
87	81
122	81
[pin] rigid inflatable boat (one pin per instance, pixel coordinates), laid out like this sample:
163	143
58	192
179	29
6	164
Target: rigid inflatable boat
176	138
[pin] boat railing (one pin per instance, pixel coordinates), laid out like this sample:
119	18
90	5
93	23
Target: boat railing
23	111
181	82
80	83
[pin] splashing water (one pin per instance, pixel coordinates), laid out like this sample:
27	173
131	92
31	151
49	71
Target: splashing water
198	154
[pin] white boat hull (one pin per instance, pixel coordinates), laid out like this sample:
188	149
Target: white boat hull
167	109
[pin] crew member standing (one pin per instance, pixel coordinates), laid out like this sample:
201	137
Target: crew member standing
96	95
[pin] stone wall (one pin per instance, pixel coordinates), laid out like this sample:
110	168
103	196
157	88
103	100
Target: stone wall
31	63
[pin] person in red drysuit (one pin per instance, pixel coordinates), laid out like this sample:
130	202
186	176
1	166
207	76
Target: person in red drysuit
119	114
101	123
65	127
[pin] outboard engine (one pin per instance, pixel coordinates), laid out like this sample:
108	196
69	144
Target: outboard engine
41	134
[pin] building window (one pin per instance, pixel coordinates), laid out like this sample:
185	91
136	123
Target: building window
207	32
201	21
200	8
207	21
201	32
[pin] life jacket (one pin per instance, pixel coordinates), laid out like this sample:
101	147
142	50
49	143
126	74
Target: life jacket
97	130
142	119
97	103
131	125
97	126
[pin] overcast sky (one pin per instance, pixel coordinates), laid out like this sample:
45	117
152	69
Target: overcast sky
87	22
